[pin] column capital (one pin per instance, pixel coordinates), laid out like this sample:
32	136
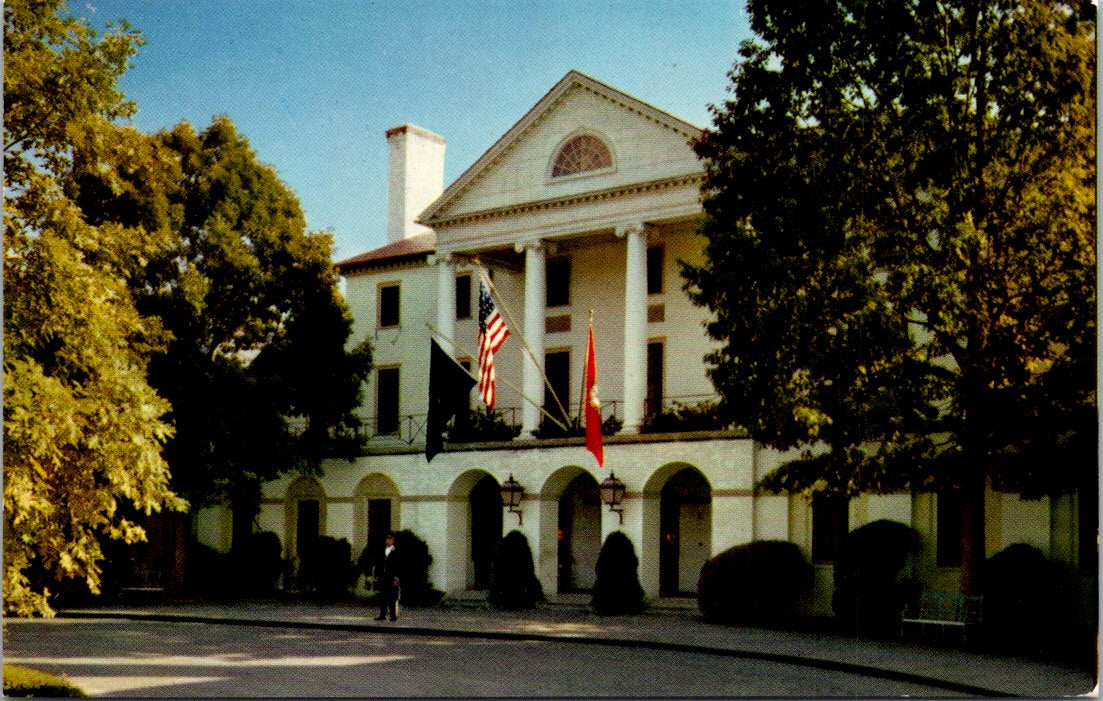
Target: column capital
442	258
635	228
532	244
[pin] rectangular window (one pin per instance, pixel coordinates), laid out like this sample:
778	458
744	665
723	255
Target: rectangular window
557	366
559	282
655	270
467	364
948	507
654	400
386	402
463	297
389	301
829	519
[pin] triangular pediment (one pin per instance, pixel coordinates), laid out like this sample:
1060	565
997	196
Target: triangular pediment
646	145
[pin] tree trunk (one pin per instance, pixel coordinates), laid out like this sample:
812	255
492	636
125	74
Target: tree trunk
244	512
181	528
972	438
972	530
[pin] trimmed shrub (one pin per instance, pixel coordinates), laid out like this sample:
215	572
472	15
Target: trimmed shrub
513	582
326	569
1019	600
206	571
258	564
757	582
617	588
872	584
413	569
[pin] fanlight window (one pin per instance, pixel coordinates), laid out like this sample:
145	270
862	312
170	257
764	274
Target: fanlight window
580	155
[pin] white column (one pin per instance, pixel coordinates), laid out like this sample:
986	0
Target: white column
535	303
446	303
635	325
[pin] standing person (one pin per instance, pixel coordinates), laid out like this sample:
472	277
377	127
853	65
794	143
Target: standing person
386	577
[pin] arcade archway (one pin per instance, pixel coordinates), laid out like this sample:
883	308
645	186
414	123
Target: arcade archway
578	534
685	529
474	526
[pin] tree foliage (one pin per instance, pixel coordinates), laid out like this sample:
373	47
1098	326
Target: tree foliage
83	429
918	175
257	371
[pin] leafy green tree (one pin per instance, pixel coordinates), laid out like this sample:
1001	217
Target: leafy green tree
948	147
257	370
83	429
814	353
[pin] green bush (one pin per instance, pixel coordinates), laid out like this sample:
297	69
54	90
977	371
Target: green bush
1019	602
610	426
326	569
617	588
703	416
513	582
27	682
482	425
757	582
257	564
413	569
872	586
206	571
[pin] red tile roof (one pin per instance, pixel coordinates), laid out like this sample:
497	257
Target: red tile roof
412	247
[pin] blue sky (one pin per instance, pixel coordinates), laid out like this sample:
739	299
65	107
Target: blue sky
314	85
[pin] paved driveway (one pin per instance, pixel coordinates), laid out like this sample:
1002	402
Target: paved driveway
195	660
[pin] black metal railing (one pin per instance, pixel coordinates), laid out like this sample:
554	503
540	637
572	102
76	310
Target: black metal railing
681	413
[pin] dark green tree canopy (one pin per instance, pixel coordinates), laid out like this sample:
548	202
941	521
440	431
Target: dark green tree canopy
930	163
257	371
900	209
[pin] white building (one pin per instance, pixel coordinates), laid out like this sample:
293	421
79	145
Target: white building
588	203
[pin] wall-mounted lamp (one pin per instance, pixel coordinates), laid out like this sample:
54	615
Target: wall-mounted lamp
512	493
612	493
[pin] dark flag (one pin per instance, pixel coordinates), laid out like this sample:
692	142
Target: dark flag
449	390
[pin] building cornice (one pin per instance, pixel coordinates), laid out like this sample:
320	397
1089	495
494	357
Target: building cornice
588	197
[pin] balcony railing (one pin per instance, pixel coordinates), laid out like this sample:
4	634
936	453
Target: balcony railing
677	414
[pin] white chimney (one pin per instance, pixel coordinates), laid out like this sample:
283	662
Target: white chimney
415	178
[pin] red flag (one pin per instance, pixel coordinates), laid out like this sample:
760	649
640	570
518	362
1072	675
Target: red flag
593	405
492	334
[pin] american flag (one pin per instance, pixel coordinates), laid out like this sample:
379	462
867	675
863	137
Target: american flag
492	334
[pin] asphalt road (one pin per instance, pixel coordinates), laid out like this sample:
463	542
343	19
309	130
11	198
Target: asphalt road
194	660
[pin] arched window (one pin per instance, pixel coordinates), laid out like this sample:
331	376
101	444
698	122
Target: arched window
581	155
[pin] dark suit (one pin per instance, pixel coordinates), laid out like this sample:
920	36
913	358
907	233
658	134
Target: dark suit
386	577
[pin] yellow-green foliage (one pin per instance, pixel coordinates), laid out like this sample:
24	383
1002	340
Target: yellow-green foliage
83	430
24	681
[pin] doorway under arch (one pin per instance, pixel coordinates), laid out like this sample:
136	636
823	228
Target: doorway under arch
485	513
304	515
473	531
377	511
685	531
578	534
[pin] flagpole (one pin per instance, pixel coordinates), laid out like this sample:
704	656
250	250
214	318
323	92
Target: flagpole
504	381
525	343
582	390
